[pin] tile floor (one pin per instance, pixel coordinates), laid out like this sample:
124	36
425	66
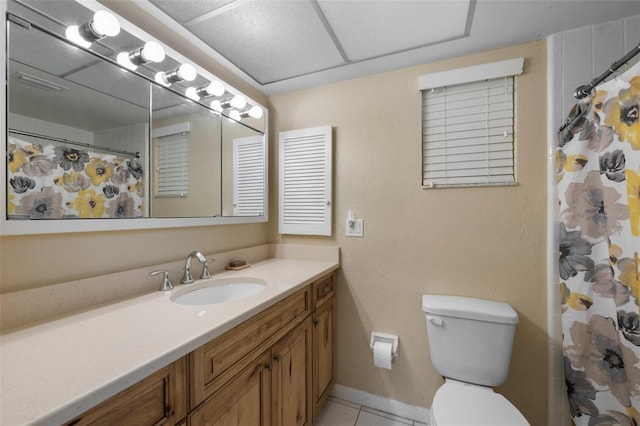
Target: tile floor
338	412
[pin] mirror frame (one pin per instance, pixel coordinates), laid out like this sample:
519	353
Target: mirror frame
32	227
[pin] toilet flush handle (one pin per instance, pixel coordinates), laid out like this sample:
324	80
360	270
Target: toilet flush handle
435	320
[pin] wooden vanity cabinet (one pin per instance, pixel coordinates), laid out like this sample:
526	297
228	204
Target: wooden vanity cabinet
324	339
274	369
159	399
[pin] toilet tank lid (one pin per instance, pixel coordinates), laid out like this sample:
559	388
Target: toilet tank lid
469	308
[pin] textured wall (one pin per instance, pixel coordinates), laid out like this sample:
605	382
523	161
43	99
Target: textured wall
483	242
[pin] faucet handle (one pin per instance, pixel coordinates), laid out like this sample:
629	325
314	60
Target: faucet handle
205	271
166	283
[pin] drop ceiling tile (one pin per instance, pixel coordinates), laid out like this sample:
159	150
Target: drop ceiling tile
185	10
369	29
270	40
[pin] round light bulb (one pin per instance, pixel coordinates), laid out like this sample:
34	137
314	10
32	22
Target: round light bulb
152	52
73	35
123	59
192	93
215	88
216	106
160	79
235	114
238	102
105	24
255	112
187	72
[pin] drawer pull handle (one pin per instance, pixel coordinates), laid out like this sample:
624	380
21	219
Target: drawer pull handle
277	358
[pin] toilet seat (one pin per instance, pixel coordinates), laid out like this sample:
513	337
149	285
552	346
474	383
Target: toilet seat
457	403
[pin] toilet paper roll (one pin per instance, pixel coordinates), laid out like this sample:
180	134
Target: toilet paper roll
382	355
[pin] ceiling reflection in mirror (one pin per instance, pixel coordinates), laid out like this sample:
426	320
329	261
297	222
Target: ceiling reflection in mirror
89	139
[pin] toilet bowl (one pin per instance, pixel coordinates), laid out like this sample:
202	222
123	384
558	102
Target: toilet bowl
470	343
462	404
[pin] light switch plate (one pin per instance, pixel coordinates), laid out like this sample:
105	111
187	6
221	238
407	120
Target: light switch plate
357	228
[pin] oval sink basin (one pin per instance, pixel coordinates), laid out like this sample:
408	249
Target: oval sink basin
218	291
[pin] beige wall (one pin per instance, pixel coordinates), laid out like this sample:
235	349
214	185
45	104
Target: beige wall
483	242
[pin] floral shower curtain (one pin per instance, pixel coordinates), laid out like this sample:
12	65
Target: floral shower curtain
56	182
598	174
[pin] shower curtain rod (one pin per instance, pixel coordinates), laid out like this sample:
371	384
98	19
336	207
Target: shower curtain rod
67	141
585	90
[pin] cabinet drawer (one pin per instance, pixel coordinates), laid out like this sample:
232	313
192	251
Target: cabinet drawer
213	364
157	399
323	289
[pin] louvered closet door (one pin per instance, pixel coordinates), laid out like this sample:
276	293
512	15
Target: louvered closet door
305	181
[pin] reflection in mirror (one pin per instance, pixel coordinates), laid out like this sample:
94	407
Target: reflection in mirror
89	137
77	132
243	170
185	157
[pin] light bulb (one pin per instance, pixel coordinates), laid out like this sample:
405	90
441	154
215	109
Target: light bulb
73	35
123	59
216	106
152	52
215	88
255	112
238	101
105	24
235	114
192	93
161	78
187	72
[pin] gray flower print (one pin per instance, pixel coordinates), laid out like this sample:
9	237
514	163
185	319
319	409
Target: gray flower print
630	326
21	184
69	158
612	165
574	253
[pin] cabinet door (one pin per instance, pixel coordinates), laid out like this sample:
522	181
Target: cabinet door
291	377
324	346
160	399
244	401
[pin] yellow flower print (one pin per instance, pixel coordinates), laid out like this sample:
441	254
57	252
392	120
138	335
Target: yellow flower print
138	188
633	192
99	171
623	114
630	273
11	207
17	158
598	100
89	204
576	162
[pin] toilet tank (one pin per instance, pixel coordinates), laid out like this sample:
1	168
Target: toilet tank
470	339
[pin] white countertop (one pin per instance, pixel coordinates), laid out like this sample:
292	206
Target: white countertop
56	370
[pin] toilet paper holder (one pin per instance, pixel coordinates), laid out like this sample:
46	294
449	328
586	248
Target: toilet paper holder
385	338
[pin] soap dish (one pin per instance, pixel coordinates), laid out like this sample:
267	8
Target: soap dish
237	268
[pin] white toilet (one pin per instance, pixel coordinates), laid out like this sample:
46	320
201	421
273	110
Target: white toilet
470	344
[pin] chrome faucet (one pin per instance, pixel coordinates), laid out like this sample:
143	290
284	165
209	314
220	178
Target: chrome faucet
187	278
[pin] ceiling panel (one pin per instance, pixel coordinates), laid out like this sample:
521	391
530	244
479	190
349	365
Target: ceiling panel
184	11
369	29
256	35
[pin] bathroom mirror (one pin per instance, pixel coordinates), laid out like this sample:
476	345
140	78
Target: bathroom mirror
99	141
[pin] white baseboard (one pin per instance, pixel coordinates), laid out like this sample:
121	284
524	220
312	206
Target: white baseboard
392	406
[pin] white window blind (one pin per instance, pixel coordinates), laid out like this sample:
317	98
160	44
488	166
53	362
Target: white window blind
248	176
468	128
172	161
305	181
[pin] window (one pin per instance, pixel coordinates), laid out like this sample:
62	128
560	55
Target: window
305	181
468	126
172	160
